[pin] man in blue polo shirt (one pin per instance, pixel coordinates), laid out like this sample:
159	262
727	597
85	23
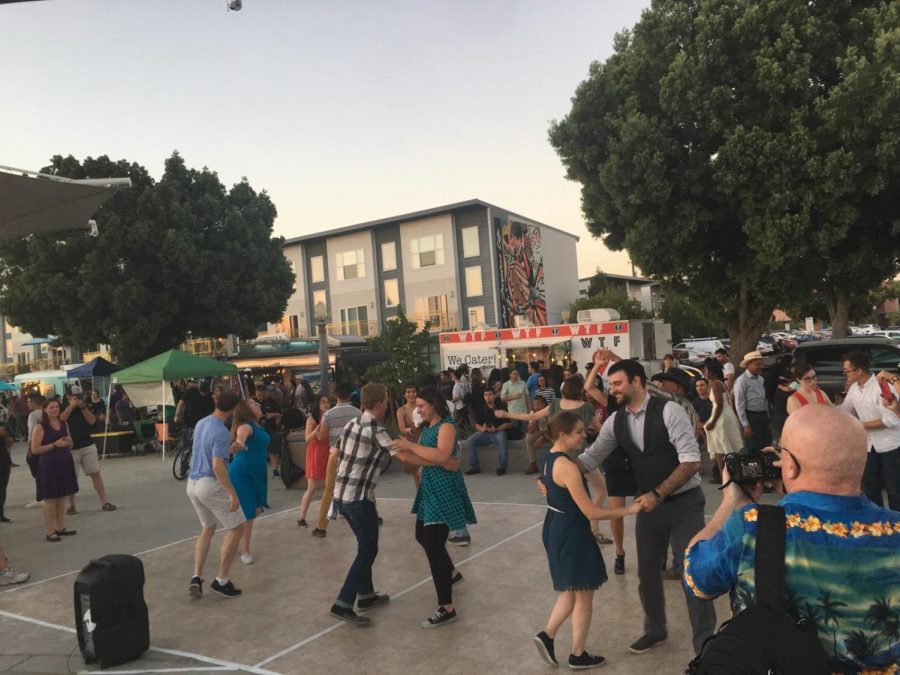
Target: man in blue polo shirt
842	552
214	497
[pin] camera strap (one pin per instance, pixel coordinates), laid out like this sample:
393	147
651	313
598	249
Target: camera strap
769	568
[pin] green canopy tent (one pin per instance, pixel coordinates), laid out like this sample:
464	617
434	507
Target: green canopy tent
163	368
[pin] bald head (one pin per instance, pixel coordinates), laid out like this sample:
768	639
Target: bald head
829	446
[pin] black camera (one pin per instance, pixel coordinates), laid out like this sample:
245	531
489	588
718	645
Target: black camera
751	465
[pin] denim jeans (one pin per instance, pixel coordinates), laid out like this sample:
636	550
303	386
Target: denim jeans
484	438
362	519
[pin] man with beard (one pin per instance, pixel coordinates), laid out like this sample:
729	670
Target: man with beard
660	442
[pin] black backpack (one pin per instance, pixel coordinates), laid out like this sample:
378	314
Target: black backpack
764	639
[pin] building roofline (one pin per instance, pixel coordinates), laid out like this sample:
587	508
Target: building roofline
622	277
416	215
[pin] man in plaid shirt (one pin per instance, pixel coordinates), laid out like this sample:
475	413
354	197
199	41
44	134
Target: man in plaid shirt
364	452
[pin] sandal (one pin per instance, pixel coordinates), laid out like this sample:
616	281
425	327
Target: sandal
71	511
302	523
66	533
602	538
109	507
53	537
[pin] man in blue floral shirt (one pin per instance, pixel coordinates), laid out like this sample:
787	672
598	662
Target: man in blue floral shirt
842	552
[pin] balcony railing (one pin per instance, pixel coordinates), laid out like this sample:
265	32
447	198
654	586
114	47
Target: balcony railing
357	328
438	321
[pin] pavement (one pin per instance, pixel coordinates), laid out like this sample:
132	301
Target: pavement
281	623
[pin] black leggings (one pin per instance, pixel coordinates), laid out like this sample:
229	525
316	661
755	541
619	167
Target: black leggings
433	538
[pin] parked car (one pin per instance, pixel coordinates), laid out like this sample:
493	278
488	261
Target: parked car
893	334
827	358
696	350
865	329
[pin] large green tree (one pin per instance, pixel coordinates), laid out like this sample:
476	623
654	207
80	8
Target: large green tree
601	294
406	348
745	152
174	257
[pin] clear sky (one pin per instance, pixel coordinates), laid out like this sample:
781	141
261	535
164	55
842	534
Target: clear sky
344	111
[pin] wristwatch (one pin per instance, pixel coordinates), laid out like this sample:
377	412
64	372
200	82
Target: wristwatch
656	494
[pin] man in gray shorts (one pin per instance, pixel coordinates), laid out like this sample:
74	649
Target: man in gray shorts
214	497
81	420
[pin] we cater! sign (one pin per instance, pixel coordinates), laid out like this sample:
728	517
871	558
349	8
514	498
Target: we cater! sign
474	359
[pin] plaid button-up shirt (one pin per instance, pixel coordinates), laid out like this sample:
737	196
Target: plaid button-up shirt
365	447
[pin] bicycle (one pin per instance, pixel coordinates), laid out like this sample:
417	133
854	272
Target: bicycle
181	466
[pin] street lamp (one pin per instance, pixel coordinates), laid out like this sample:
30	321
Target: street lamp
564	315
321	316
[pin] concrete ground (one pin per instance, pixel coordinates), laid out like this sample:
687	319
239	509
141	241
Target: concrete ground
281	623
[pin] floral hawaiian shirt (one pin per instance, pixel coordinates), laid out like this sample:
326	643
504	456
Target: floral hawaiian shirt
842	557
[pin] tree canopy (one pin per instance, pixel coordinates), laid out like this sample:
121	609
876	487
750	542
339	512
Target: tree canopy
173	257
407	350
746	153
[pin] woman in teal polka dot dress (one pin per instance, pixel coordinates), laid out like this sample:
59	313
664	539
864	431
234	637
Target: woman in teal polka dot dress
442	502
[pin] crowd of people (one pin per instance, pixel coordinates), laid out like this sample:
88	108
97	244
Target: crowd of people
593	440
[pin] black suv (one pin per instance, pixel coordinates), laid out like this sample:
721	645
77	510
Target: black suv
826	357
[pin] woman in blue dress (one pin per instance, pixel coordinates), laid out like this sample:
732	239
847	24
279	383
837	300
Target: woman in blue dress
249	442
442	503
576	564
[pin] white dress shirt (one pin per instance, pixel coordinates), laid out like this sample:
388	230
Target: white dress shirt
865	402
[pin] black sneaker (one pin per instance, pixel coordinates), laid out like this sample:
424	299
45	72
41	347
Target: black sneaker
318	533
195	590
472	472
456	579
645	643
226	591
440	618
585	661
462	540
546	648
501	471
276	473
619	565
365	604
349	616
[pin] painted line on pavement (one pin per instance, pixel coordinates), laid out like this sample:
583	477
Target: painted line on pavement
326	631
160	650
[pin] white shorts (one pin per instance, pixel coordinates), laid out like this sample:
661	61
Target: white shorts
87	459
211	503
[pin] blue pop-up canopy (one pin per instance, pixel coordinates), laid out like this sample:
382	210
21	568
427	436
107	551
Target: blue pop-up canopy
97	367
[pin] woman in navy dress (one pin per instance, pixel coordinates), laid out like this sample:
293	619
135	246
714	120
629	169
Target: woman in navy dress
576	564
247	471
56	477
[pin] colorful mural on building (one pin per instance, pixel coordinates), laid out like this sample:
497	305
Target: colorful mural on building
521	257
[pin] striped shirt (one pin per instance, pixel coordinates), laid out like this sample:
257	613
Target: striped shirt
365	446
336	418
547	394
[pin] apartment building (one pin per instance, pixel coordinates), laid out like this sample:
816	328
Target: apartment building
455	267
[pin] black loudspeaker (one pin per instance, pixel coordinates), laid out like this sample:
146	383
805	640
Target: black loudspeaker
111	616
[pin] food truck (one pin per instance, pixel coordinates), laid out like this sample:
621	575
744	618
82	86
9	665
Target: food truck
647	340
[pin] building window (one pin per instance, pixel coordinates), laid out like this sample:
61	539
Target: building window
317	269
433	310
350	265
476	317
294	326
319	296
355	321
473	282
428	251
471	247
391	293
388	256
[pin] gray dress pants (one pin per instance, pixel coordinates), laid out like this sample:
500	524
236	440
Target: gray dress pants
675	522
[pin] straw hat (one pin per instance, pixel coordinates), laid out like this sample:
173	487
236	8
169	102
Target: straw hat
751	356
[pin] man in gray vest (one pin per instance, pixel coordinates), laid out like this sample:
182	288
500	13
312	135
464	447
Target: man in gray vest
659	440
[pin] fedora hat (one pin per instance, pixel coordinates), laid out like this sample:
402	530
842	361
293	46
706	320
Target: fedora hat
675	375
751	356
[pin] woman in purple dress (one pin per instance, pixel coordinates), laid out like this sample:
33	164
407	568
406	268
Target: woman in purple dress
56	477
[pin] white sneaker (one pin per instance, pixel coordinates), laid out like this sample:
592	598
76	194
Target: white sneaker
247	559
8	577
34	505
